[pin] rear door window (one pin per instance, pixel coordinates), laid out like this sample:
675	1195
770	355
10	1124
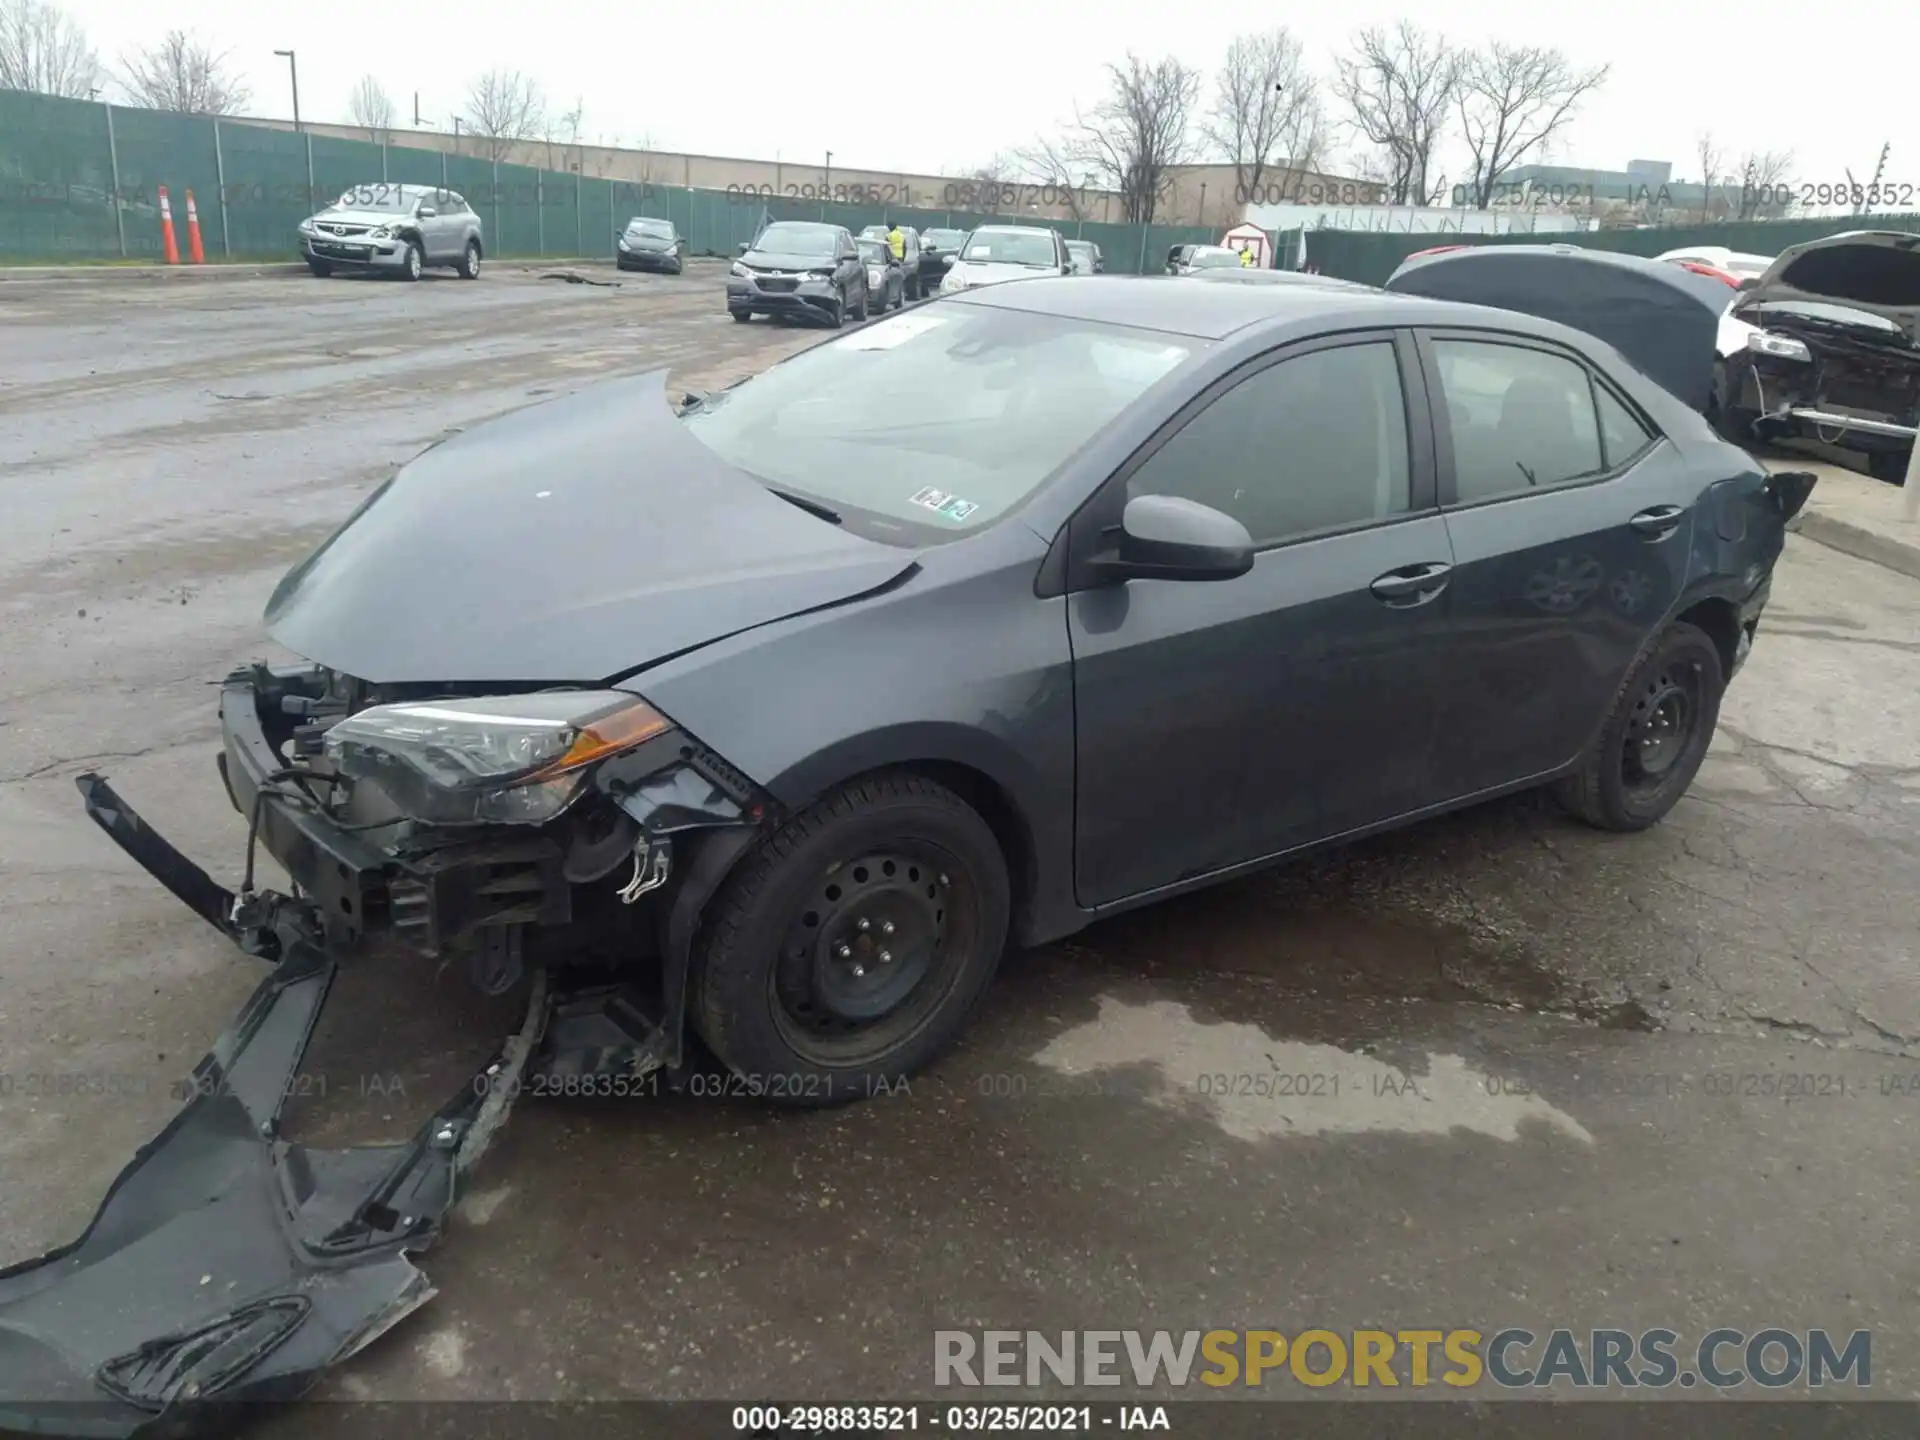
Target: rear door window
1520	418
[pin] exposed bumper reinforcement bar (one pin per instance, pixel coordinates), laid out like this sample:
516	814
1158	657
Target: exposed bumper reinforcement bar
1855	422
226	1263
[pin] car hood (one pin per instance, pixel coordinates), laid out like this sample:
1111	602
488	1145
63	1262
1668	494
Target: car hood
575	541
1664	319
783	260
1876	271
985	272
358	217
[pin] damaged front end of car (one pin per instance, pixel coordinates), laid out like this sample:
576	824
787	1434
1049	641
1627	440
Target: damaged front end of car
1832	348
564	838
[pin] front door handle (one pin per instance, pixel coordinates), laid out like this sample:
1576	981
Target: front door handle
1658	522
1412	584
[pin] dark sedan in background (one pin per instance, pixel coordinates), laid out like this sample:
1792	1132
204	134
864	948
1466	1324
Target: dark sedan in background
937	247
650	245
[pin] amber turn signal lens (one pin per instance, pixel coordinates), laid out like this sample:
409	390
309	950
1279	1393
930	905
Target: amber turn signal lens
605	735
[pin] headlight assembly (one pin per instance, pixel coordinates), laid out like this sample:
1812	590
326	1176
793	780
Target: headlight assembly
1781	346
506	759
380	232
740	270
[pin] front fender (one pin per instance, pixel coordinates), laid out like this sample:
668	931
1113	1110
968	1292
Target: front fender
961	668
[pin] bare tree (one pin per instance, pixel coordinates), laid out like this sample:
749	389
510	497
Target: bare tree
1512	99
183	74
1763	178
563	130
1399	86
1049	164
1266	115
44	50
1711	159
372	109
1144	128
504	107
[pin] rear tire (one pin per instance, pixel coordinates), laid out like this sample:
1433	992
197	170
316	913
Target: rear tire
771	995
1655	736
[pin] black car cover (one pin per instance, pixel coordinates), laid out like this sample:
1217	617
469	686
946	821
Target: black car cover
1662	317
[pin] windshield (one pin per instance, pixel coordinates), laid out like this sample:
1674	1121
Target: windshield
386	199
874	252
661	228
1213	259
794	238
1012	247
924	424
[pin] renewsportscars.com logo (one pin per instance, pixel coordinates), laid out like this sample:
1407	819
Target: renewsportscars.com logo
1514	1359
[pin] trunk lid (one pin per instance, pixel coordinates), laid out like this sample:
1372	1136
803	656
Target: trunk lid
569	542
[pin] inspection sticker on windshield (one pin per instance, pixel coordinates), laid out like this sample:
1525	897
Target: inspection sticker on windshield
941	503
885	334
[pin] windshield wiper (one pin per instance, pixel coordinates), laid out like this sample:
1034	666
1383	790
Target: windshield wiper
812	507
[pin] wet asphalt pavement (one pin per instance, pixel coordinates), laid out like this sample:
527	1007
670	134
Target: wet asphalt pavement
1555	1078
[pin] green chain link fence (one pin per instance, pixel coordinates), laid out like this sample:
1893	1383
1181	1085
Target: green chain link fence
81	181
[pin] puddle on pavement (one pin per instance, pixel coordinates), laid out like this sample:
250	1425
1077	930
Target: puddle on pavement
1256	1086
1398	917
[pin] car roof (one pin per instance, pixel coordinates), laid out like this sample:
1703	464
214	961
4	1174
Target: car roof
1014	230
1182	305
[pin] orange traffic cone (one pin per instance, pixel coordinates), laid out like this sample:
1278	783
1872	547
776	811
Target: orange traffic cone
195	255
167	242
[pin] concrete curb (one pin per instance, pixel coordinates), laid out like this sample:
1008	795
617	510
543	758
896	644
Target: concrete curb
1860	542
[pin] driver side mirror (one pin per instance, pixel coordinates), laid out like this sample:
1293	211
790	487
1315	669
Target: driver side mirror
426	212
743	247
1167	537
946	261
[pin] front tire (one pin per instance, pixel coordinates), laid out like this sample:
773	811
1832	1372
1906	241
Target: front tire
854	944
1655	737
469	266
740	316
866	297
410	264
320	268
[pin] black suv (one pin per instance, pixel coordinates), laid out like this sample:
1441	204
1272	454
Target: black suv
799	267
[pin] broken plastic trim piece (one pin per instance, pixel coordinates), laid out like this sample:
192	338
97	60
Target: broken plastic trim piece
225	1263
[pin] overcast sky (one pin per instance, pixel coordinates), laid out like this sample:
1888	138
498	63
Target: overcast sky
941	85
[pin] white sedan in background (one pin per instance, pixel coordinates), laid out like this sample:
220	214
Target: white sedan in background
997	253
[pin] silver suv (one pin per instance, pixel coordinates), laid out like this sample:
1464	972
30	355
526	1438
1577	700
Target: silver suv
395	230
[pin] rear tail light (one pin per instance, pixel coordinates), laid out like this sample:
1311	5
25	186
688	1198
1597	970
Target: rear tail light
1711	270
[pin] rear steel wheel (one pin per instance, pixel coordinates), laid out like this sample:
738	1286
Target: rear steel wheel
1655	736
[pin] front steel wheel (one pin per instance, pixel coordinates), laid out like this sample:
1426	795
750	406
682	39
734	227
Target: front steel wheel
853	945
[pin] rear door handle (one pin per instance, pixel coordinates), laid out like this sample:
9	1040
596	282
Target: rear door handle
1658	522
1412	584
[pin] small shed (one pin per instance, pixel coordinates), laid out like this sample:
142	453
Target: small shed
1251	237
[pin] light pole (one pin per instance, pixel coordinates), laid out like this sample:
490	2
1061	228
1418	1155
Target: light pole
293	72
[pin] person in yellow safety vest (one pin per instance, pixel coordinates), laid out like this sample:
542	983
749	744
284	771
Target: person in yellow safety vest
897	243
1246	256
